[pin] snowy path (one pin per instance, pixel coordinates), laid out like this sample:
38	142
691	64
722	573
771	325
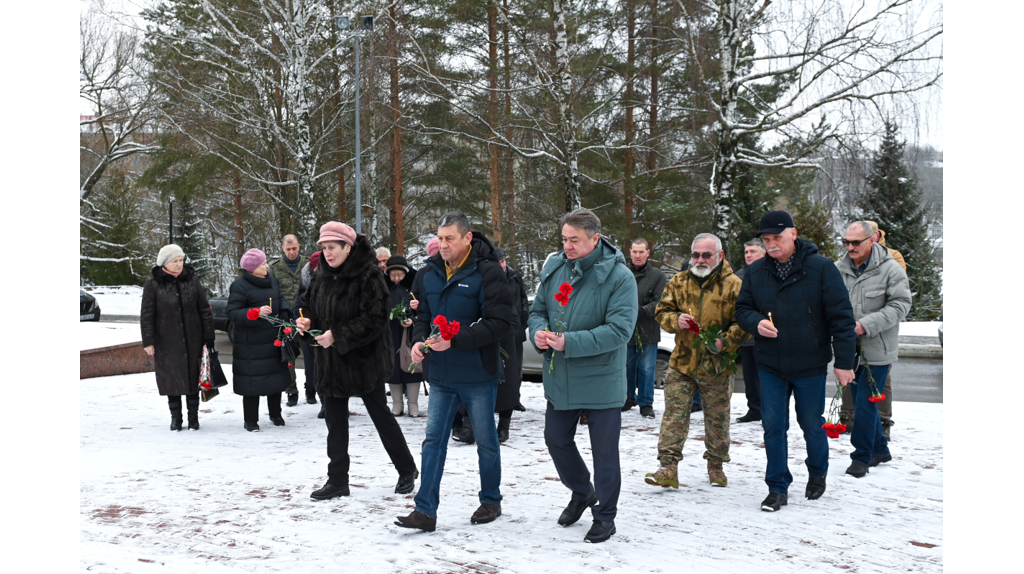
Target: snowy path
224	500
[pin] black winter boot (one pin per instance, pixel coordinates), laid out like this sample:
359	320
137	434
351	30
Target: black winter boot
466	435
174	402
192	402
503	423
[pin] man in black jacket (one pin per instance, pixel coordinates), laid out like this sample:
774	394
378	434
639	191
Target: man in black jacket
463	283
642	351
796	306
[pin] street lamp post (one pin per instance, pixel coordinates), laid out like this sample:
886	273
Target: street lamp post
170	220
343	24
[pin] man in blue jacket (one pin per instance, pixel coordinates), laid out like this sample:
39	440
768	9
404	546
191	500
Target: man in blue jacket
584	340
464	282
796	306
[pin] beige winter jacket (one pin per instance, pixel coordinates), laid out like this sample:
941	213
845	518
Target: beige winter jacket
881	299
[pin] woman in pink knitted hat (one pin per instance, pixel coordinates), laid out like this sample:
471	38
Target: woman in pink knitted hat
258	367
348	301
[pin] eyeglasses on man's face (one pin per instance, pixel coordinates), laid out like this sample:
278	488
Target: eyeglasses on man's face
855	243
707	255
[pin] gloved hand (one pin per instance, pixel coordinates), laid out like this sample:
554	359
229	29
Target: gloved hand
210	344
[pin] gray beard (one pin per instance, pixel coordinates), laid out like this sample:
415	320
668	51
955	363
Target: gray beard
702	273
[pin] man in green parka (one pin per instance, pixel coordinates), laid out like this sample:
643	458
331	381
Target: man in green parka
582	319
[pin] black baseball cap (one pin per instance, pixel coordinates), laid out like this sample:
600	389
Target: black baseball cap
500	253
775	221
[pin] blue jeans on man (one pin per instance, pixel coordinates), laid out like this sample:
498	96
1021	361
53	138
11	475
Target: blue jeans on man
867	436
809	394
640	366
444	402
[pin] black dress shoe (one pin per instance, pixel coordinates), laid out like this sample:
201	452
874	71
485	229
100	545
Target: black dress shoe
406	482
329	491
647	411
774	502
876	460
311	397
857	470
696	407
417	520
252	427
486	513
630	403
278	420
815	487
574	511
750	417
519	407
293	399
600	531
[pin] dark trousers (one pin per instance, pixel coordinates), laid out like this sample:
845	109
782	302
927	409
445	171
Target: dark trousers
251	407
336	416
604	426
751	380
310	367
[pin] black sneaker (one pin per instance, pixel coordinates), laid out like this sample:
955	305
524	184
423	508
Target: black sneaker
774	502
293	399
857	470
647	411
252	427
329	491
750	417
876	460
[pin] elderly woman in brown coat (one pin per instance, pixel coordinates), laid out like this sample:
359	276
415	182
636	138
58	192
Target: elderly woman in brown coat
176	323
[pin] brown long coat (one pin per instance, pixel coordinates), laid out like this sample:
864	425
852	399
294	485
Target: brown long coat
176	319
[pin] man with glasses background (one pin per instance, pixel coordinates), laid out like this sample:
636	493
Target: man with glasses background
702	296
880	295
795	304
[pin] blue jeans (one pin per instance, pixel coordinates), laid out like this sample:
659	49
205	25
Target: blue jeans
640	373
809	393
444	402
866	436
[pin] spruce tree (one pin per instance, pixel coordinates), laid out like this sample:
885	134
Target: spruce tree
893	200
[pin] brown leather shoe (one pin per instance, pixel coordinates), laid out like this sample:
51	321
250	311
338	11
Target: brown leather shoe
417	520
486	513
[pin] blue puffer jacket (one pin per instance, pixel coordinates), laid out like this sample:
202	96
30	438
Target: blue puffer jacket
478	298
811	309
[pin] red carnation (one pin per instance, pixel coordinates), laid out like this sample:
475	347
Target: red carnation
290	365
252	314
448	333
694	327
565	289
828	426
287	330
841	428
277	342
881	396
562	299
440	321
832	434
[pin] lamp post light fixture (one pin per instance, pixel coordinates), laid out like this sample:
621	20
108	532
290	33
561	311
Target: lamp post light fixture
170	221
343	24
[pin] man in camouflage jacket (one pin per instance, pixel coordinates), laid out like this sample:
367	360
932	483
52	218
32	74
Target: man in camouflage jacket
288	272
696	299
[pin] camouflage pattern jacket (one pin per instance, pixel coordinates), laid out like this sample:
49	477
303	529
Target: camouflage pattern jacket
714	303
288	280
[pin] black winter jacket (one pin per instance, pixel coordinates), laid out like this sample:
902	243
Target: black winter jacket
352	301
257	367
650	285
478	298
520	303
175	318
400	294
811	309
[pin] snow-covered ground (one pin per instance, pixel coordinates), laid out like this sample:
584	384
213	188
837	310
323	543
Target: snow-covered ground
224	500
117	299
94	335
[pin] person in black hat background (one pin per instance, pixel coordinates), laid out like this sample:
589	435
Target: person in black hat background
401	278
512	347
796	306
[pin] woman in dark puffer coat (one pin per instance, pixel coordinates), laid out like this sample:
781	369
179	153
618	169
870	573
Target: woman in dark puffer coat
257	365
176	322
401	277
348	300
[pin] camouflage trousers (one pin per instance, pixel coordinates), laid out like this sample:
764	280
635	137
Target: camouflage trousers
715	395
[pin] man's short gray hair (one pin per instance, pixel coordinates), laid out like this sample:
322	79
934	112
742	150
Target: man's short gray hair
865	227
383	252
456	218
755	242
581	219
642	241
703	236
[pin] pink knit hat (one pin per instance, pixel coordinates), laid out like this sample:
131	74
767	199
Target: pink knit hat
336	231
433	246
252	259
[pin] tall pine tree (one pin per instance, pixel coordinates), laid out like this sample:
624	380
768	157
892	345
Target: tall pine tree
893	200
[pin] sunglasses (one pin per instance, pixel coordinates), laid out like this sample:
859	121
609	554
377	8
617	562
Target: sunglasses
854	243
706	255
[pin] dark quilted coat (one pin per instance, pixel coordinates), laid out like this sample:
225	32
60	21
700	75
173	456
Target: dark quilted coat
175	319
352	301
400	293
256	363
